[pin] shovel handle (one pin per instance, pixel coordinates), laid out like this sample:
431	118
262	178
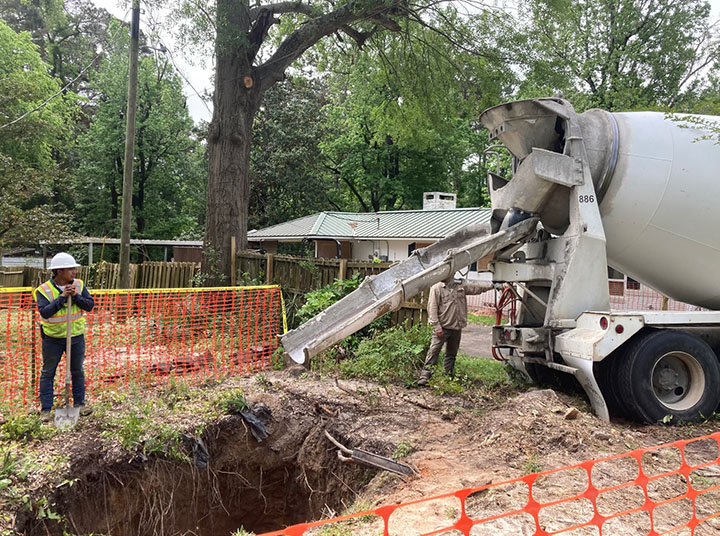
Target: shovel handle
68	344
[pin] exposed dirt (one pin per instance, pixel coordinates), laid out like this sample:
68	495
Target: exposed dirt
294	475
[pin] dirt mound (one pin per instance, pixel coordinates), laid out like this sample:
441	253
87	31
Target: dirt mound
94	484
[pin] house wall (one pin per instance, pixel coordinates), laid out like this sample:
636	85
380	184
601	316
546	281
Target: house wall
396	250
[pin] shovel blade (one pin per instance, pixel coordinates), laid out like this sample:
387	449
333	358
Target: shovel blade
66	418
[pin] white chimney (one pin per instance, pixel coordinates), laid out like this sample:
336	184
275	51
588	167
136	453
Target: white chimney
439	200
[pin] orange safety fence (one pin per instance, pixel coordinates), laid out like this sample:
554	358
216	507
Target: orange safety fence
669	489
145	337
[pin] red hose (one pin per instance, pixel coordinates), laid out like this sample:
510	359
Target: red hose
507	297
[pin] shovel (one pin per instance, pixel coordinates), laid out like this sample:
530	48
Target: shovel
67	417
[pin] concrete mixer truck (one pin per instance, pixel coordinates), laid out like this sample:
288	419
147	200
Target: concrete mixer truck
636	191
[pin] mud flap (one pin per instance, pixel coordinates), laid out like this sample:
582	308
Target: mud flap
584	374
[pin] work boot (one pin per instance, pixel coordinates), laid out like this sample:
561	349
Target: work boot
85	410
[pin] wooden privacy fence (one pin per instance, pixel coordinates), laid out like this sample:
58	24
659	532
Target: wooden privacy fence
106	275
299	275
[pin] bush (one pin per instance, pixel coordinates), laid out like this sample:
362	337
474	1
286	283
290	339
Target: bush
317	301
394	355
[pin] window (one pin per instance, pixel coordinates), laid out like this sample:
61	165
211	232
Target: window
632	284
615	274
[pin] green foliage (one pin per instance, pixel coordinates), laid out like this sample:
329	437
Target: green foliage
232	401
393	355
242	532
317	301
176	391
25	428
532	465
140	428
212	256
617	55
277	359
169	174
399	128
403	450
287	176
12	465
27	167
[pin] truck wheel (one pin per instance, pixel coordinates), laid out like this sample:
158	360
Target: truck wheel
606	374
670	373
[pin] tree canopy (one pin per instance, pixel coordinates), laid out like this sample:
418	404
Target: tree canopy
619	54
357	106
29	139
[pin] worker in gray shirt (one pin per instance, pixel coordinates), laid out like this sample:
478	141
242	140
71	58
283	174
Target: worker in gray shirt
447	314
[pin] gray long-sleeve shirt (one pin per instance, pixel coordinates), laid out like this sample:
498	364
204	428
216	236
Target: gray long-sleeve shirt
447	304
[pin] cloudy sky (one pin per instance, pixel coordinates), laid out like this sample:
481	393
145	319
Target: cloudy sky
199	79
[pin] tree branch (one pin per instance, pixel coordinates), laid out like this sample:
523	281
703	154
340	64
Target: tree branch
281	7
310	33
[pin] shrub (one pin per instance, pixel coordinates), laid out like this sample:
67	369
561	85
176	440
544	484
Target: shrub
317	301
394	355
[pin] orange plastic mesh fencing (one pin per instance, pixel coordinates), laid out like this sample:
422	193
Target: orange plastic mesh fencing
669	489
625	295
145	337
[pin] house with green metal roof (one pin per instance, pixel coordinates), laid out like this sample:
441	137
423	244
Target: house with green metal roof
389	235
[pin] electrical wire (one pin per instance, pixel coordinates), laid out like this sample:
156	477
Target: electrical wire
61	91
152	23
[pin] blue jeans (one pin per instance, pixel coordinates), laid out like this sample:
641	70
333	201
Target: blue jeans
52	350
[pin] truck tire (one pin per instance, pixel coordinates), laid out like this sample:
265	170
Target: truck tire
606	374
669	376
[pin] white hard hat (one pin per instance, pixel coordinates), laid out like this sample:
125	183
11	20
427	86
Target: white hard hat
63	260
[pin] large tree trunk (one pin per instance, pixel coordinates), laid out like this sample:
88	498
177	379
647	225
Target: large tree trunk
239	88
229	137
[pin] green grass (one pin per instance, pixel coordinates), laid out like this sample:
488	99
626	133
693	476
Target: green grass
482	320
485	372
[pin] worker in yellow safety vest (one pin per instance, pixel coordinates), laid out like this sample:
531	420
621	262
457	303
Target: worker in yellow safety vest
51	298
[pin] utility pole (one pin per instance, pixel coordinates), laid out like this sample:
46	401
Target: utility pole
129	149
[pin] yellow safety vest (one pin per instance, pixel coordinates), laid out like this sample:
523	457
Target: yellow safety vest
56	325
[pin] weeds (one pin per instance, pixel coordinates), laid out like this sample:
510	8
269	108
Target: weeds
141	429
242	532
25	428
277	359
532	465
175	391
403	450
232	401
394	355
11	465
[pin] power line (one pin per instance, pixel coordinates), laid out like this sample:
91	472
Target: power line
60	91
156	36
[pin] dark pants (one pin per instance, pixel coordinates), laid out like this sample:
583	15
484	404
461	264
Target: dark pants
452	338
52	350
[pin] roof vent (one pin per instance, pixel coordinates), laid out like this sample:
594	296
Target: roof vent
439	200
